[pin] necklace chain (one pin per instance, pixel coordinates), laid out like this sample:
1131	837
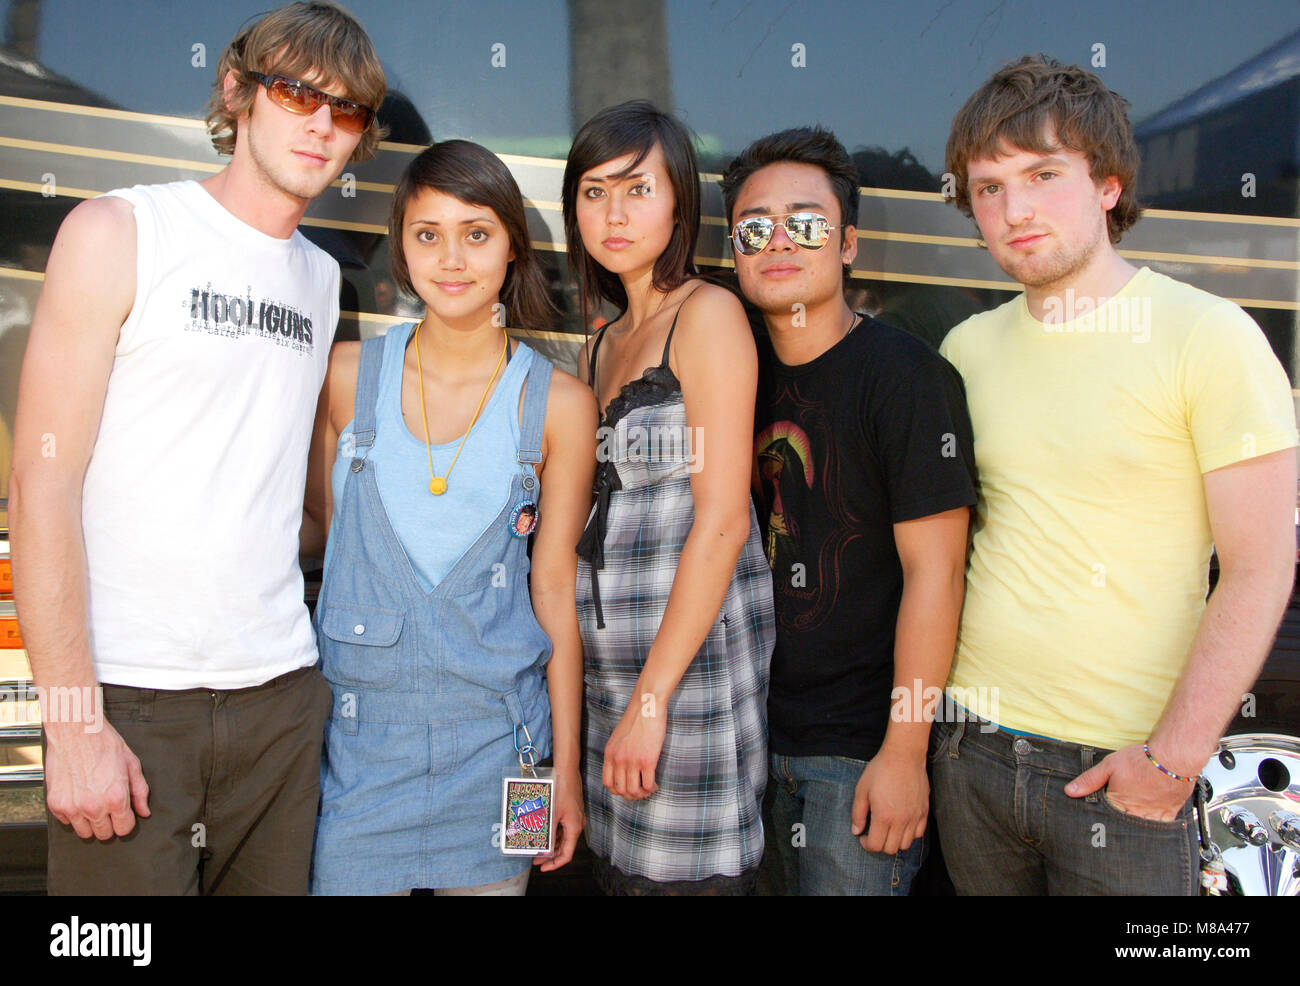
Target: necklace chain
438	484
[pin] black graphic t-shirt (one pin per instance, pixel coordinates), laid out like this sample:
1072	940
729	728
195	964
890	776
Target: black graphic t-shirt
872	432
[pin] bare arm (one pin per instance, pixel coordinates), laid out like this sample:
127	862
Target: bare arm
92	779
717	365
894	788
337	397
1251	509
567	471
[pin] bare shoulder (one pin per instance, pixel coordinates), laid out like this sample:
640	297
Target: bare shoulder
341	382
102	229
570	400
108	215
711	298
712	319
94	255
345	357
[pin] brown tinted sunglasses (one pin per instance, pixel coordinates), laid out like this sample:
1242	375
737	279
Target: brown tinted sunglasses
298	97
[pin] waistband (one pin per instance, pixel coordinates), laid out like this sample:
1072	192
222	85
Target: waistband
955	735
280	681
967	714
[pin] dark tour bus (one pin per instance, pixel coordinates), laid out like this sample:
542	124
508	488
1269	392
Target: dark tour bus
100	94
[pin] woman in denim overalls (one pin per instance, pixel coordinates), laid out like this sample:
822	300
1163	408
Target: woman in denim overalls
430	451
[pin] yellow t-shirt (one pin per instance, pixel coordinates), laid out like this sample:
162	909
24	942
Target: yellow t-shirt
1091	541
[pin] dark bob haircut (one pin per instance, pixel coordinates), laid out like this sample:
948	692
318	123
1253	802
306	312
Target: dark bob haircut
634	128
473	174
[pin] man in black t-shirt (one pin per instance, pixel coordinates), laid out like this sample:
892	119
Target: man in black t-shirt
863	482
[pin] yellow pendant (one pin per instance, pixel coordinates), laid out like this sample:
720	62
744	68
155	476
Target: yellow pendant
437	486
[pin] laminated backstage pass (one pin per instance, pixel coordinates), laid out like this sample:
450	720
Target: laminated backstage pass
527	804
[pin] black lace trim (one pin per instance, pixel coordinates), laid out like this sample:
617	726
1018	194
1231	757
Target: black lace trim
655	386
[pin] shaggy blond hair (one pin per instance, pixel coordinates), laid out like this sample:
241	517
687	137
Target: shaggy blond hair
317	40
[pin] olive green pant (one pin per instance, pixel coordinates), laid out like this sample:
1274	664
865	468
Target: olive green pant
234	781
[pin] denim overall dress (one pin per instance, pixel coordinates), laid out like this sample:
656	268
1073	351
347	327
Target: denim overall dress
428	686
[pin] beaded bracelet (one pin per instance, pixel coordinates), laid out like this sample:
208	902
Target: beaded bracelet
1146	748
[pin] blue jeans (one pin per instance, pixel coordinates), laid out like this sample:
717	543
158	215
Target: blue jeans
811	849
1008	827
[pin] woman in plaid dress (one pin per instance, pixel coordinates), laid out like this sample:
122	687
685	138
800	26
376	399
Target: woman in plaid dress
674	592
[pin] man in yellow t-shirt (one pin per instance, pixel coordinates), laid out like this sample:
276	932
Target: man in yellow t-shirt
1123	421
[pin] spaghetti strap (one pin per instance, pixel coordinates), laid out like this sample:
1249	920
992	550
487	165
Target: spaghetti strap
673	328
595	348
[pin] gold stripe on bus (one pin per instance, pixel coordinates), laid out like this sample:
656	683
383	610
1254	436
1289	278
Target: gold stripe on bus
81	150
545	162
389	320
548	334
31	186
79	109
1223	217
21	275
901	193
1202	258
76	150
100	111
956	282
542	205
927	238
397	145
366	186
1290	306
342	224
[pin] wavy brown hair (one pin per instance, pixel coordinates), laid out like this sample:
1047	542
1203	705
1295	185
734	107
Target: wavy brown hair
1025	104
317	40
473	174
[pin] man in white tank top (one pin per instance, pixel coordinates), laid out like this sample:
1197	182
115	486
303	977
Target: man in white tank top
164	416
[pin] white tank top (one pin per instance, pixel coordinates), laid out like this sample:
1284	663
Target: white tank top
193	496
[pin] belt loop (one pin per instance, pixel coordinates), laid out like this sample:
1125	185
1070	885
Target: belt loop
958	730
1085	760
147	696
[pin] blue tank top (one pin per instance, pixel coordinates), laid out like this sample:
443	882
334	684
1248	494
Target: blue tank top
435	531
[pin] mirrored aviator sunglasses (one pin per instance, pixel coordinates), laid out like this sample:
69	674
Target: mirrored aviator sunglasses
807	229
298	97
